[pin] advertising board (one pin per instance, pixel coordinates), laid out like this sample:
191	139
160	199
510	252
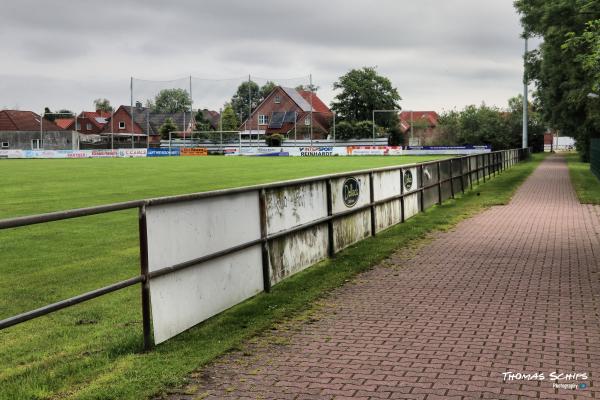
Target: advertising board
193	151
374	150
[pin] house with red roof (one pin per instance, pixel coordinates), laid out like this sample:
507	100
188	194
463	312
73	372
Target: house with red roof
419	127
287	111
25	130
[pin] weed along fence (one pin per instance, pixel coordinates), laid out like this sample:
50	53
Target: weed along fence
203	253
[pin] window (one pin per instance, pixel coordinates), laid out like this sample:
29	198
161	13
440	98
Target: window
277	99
121	124
36	144
5	145
88	126
307	121
263	119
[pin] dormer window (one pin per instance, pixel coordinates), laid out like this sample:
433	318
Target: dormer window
277	99
121	124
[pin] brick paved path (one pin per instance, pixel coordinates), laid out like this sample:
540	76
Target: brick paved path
515	288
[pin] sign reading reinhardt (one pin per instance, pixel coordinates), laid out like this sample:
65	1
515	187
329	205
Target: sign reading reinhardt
408	179
350	192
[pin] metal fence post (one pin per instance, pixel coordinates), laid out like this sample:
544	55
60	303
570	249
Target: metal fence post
439	182
451	179
143	233
470	162
402	219
483	167
262	204
421	185
372	197
462	175
330	236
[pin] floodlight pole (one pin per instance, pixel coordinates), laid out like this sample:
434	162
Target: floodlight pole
525	101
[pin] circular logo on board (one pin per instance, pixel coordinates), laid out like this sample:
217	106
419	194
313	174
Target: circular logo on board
408	179
350	192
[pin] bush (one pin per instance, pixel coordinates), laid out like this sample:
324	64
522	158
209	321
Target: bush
274	140
345	130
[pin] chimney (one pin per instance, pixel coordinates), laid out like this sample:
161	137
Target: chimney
138	104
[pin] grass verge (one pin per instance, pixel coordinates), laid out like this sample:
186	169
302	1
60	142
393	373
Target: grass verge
586	185
114	367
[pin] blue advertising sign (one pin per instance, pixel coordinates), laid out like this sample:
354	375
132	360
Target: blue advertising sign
163	152
467	147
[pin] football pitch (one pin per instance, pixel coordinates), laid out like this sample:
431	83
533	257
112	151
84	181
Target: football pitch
61	355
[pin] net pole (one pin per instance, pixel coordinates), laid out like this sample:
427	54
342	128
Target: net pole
147	128
250	105
112	129
311	110
131	105
191	110
221	128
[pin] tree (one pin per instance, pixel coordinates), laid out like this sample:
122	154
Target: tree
167	127
563	67
171	101
62	113
587	46
202	124
229	118
501	129
247	96
308	88
362	91
266	89
103	105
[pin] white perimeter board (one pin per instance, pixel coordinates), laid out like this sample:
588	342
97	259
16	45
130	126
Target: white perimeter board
180	232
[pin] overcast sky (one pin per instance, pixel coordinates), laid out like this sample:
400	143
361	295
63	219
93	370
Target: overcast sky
440	55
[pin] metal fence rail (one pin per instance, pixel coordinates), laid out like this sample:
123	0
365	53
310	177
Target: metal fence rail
451	176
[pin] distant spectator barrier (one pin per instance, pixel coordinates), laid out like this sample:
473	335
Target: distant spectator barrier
205	252
307	151
595	157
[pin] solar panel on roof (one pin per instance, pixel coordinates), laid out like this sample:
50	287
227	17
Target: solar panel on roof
277	120
290	117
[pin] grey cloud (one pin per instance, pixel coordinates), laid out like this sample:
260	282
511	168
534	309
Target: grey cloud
438	54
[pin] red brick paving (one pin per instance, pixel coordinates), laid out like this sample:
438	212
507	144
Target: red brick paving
515	288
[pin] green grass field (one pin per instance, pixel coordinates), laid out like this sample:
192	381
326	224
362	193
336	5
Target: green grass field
584	181
94	350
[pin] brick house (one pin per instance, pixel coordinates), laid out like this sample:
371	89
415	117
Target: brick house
25	130
145	123
422	125
287	111
92	122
